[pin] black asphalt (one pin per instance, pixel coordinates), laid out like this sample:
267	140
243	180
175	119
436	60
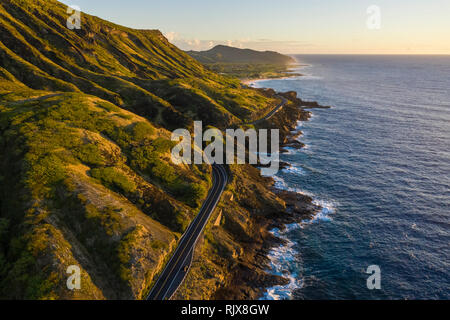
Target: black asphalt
273	112
178	267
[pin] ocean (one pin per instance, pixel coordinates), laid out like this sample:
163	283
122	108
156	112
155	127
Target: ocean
379	164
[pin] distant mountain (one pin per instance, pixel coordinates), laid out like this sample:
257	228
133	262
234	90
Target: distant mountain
226	54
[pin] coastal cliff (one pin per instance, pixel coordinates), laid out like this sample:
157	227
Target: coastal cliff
231	258
85	164
87	178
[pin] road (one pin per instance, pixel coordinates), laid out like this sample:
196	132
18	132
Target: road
273	112
176	270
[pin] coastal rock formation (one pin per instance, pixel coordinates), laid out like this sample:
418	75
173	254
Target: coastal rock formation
257	208
85	163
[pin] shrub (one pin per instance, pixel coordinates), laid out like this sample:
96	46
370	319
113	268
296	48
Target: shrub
113	179
164	173
157	245
124	253
192	193
142	130
89	154
108	218
146	159
108	106
44	174
197	191
162	145
120	136
143	157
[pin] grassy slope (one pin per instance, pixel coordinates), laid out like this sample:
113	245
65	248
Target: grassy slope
84	162
134	69
89	184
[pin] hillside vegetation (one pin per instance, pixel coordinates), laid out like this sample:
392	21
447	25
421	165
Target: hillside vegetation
134	69
85	170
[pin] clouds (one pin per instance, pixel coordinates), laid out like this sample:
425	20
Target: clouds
171	36
413	26
186	44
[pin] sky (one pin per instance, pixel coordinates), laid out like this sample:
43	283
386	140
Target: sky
289	26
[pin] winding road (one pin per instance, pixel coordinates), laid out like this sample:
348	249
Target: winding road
273	112
178	267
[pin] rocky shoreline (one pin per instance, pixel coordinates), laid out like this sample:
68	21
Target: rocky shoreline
251	279
232	260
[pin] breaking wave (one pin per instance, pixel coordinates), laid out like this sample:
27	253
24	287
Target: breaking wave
284	259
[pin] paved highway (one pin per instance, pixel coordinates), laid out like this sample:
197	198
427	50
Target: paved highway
273	112
176	270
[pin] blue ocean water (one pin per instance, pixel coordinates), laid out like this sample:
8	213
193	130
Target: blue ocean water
379	164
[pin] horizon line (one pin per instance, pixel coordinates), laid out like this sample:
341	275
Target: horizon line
367	54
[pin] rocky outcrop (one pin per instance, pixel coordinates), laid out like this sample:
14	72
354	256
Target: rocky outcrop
257	208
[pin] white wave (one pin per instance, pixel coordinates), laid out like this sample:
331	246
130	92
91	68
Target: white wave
327	209
289	150
282	260
296	170
284	292
280	183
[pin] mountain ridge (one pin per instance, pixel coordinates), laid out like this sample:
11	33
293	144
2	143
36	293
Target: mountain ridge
87	178
228	54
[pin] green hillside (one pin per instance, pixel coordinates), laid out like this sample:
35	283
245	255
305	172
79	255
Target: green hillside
85	150
136	69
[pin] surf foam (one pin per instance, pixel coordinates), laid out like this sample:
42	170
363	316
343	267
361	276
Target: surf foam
284	259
